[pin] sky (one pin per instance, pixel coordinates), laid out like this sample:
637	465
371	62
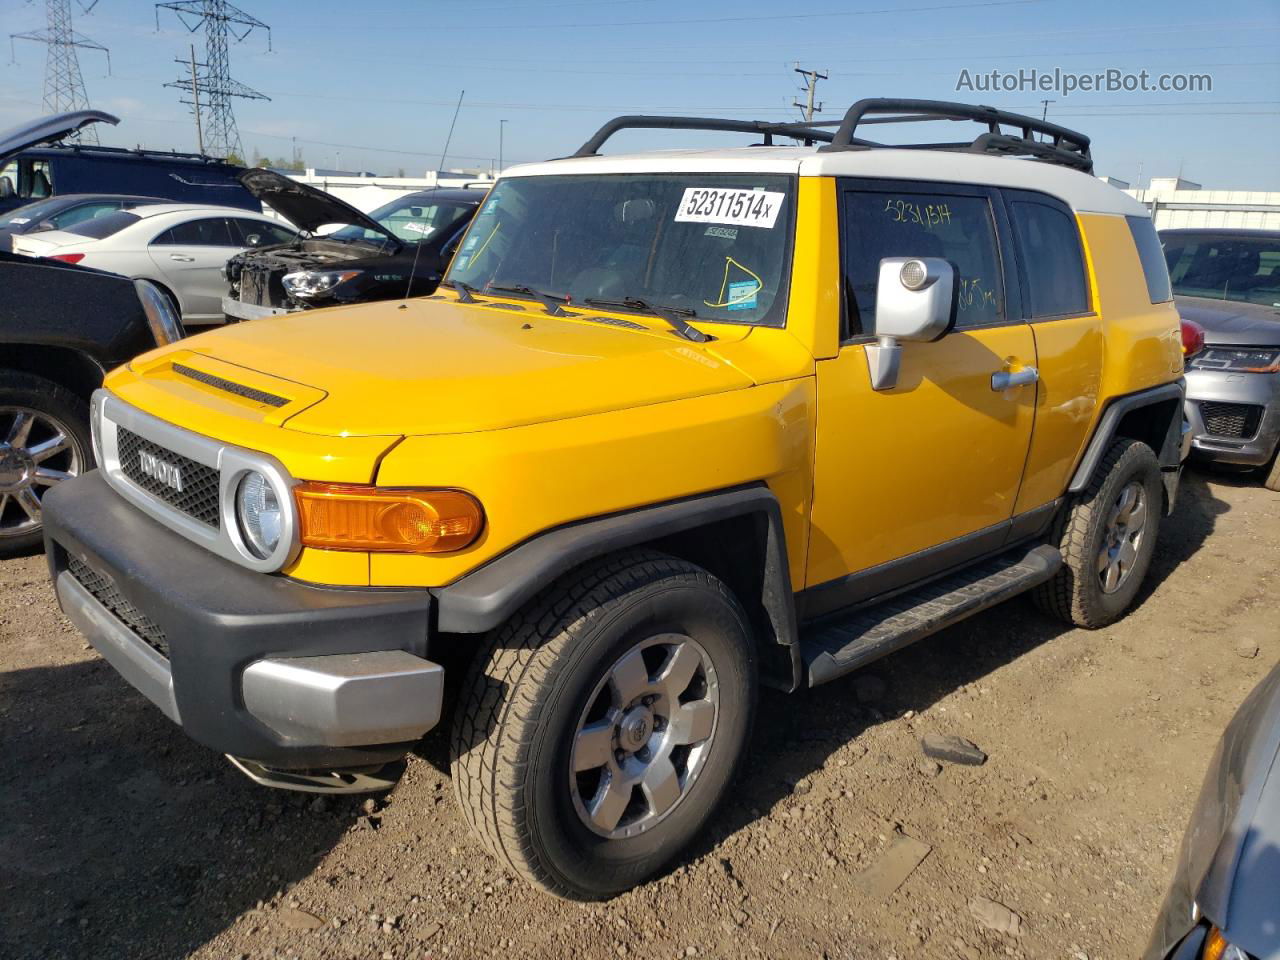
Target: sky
373	85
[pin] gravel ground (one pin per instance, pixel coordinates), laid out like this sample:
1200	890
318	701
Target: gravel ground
122	839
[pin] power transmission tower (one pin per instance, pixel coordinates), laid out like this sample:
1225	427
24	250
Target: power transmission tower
213	77
811	78
63	84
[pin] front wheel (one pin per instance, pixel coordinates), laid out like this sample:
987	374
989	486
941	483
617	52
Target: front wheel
44	439
1107	538
603	724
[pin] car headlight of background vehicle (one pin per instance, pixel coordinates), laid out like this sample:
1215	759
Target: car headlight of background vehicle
306	284
166	325
260	514
1239	359
1217	947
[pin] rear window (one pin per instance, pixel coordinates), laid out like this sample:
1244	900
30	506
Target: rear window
101	227
1152	255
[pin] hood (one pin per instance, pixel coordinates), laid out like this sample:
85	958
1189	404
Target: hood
305	206
48	129
1231	322
423	367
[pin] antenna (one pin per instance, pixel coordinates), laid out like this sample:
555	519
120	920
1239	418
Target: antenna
220	21
63	84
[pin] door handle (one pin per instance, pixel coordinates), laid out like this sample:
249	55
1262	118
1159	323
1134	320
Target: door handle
181	259
1004	380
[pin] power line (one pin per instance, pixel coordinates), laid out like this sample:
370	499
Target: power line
63	83
220	21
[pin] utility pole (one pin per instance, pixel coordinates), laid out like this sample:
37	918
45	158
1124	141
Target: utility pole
1044	114
220	21
502	125
63	83
195	99
811	78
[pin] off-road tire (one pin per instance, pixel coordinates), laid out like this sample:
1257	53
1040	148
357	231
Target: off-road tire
1074	594
525	692
18	388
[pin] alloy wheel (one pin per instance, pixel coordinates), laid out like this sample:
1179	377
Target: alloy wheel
1122	538
644	736
36	451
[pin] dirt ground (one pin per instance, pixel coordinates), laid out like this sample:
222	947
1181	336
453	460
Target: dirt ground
120	839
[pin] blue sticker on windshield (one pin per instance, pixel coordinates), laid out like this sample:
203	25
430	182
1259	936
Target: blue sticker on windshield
742	295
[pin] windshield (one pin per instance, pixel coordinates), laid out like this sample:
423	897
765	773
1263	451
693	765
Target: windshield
410	219
715	244
1224	267
32	212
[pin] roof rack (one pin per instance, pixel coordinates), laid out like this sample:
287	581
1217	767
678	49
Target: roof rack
1065	147
808	132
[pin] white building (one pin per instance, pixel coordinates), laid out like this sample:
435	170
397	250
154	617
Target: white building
1180	203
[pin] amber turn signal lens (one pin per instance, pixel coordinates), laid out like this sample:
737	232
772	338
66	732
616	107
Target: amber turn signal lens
338	516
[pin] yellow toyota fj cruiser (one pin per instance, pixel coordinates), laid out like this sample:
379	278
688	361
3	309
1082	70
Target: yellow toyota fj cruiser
676	425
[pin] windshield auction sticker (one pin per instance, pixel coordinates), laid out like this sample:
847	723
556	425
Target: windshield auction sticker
743	208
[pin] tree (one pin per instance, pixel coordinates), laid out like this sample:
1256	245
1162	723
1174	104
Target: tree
234	158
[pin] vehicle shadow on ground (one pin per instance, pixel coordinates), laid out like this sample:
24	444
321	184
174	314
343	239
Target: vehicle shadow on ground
122	839
796	734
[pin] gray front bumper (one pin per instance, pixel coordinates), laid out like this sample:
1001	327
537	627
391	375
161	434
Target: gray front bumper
1220	386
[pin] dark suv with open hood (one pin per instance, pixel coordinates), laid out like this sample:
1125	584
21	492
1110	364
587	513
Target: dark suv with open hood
398	250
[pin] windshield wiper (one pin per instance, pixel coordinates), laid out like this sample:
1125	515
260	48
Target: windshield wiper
673	315
465	290
553	304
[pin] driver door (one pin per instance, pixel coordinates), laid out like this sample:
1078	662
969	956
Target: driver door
925	474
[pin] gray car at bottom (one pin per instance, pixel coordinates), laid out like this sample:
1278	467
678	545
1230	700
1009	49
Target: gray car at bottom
1228	281
1224	902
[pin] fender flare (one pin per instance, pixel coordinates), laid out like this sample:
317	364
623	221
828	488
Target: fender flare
486	597
1169	451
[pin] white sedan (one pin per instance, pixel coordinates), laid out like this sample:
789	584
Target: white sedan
180	247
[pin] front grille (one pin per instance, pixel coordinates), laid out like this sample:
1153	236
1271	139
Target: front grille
198	497
262	286
230	386
104	590
1233	421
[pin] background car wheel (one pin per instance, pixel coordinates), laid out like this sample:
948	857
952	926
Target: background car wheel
602	725
44	439
1107	538
1271	475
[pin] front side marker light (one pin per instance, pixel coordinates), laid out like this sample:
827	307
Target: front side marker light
338	516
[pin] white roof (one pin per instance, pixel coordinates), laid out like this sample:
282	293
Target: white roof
160	209
1080	191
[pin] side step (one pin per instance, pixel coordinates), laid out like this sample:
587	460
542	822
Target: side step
838	645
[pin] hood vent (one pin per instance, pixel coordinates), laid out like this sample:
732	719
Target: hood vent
617	322
221	383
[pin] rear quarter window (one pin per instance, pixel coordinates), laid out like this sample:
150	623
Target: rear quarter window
1052	263
100	227
1151	254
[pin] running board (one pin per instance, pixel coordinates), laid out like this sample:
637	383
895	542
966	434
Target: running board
841	644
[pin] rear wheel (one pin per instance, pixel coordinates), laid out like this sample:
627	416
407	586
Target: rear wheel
44	439
604	723
1107	538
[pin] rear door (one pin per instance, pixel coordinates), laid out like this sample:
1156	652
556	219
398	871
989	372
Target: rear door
929	469
190	257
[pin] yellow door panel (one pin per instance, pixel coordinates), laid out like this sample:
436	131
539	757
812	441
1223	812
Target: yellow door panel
1070	355
937	457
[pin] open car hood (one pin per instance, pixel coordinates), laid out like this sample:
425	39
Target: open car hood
305	206
48	129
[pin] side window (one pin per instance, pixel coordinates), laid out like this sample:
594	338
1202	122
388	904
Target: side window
40	180
1053	266
88	211
164	240
1152	257
212	232
957	228
9	180
258	233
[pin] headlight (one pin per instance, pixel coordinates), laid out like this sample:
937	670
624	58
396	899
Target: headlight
165	324
315	283
1239	359
260	514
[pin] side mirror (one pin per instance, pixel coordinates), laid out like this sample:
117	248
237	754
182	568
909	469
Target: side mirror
914	300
